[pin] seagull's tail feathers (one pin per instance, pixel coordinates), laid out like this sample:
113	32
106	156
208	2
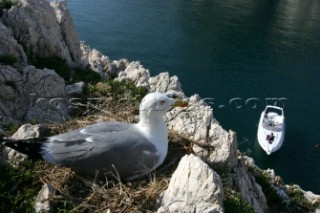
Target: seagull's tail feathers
31	147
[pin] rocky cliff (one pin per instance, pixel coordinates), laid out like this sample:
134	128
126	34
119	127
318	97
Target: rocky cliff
214	169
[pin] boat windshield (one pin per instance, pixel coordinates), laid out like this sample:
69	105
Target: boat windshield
273	110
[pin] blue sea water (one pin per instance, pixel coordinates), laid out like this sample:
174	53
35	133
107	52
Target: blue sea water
237	53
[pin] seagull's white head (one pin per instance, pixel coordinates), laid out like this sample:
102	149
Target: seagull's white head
157	104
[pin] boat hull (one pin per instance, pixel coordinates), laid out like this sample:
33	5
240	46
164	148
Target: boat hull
264	130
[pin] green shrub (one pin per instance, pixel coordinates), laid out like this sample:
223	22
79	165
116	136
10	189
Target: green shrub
53	62
11	84
233	203
62	68
224	173
11	128
5	4
298	201
8	59
275	202
123	89
18	187
118	90
86	75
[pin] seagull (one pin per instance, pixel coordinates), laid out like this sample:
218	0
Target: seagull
110	149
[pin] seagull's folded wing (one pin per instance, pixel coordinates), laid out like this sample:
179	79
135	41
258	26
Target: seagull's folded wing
107	148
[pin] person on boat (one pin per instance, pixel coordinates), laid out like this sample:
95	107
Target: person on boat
270	138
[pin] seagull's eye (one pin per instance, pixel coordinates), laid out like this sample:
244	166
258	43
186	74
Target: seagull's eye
162	102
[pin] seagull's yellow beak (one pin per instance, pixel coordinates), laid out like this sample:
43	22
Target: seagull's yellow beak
180	103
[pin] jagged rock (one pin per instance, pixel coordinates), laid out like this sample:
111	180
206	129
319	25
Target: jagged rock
163	83
135	72
1	133
213	143
121	65
277	180
9	45
193	121
194	187
311	197
34	23
250	191
75	89
13	157
68	31
26	131
32	94
43	203
85	51
99	63
226	146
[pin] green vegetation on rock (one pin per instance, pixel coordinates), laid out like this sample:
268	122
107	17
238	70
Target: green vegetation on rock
119	91
275	202
62	68
59	65
11	84
18	187
5	4
11	128
86	75
298	203
8	59
233	203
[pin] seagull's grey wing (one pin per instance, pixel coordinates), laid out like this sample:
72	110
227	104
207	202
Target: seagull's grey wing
79	141
128	154
123	150
98	128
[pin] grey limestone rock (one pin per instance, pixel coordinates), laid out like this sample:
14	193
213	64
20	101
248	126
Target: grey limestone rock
135	72
68	32
163	83
9	45
44	29
101	63
75	89
212	143
32	94
310	196
121	65
250	191
26	131
194	187
43	203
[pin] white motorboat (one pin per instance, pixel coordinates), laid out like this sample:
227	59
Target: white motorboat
271	130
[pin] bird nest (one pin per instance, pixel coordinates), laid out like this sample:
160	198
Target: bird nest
75	193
